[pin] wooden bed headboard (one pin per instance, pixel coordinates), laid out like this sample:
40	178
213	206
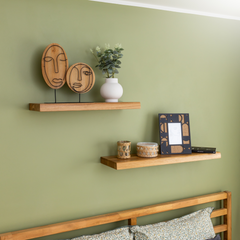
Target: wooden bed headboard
132	215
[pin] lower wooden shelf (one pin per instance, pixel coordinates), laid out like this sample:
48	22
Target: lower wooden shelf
57	107
138	162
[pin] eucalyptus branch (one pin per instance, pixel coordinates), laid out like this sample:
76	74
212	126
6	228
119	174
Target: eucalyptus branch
95	56
108	60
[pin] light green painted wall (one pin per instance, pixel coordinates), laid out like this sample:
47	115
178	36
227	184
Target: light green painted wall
173	63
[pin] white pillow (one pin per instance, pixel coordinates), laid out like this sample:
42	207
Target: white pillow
195	226
118	234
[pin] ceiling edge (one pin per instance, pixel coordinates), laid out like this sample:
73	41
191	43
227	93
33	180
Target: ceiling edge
170	9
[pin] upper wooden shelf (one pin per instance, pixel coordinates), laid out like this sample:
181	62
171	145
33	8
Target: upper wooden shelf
57	107
138	162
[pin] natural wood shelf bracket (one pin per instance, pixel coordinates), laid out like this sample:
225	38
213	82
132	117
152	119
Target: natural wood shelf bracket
58	107
138	162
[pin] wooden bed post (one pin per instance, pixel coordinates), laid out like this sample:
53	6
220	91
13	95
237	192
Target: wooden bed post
227	203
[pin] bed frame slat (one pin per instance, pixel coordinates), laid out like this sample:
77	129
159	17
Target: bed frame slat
132	221
131	215
219	212
220	228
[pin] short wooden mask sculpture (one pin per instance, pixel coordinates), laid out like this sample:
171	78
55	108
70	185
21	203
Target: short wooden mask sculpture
80	78
54	66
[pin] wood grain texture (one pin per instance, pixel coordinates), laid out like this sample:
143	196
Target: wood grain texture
58	107
80	78
132	221
219	212
228	218
138	162
54	66
220	228
130	215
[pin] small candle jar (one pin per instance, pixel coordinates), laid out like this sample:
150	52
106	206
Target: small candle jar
147	149
124	149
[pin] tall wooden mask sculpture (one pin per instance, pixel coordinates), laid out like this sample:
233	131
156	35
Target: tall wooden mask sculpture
54	66
80	78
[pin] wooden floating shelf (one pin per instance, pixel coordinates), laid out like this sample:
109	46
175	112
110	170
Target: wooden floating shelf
138	162
58	107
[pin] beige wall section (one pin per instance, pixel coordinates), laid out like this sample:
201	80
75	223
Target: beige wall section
50	167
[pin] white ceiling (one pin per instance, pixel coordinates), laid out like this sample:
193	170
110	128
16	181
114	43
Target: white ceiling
229	9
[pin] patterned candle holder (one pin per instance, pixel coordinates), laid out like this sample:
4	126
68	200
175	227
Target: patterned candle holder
124	149
147	149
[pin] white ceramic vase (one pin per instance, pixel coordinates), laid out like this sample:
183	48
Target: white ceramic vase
111	90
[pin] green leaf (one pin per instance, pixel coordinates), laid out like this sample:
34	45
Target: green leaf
108	66
108	51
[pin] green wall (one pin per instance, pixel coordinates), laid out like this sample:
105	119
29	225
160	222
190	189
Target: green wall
50	167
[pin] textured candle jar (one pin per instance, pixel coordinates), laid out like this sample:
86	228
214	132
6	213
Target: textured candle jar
147	149
124	149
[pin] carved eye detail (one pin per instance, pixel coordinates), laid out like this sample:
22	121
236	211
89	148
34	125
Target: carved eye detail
48	59
87	73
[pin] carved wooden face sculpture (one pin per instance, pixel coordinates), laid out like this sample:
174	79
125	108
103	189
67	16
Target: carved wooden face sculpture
54	66
80	78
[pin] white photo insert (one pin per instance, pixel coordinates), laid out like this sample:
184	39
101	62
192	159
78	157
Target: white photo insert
175	133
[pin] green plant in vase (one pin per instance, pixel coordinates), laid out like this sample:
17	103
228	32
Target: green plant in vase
108	63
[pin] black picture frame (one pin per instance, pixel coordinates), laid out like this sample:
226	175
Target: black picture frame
174	133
